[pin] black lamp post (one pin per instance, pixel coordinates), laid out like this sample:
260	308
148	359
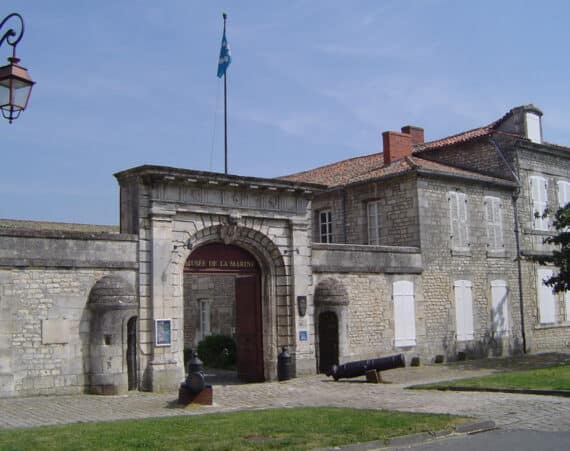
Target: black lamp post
15	82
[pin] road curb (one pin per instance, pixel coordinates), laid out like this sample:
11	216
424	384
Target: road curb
516	391
412	439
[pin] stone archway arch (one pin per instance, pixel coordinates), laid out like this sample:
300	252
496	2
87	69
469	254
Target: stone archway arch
277	311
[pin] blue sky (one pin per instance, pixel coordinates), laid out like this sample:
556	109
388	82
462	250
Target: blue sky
131	82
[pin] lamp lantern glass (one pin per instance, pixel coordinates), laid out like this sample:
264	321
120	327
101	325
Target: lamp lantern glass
15	89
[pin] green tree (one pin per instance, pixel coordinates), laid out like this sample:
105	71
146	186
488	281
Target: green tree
560	256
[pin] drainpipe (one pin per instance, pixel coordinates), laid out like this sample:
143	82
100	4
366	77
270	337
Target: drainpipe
515	198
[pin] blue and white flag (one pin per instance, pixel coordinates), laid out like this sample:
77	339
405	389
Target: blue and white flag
225	56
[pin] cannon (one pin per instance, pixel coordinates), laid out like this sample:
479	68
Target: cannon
195	389
361	367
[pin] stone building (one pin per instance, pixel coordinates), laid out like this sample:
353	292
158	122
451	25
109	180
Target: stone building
420	249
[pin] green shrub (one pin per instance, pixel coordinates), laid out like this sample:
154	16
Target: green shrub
218	351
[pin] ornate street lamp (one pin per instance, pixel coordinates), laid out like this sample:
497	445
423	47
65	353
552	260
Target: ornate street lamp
15	82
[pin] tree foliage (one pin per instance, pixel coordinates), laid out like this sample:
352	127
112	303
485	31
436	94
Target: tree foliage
560	256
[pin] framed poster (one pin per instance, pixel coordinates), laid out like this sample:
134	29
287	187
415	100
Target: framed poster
162	332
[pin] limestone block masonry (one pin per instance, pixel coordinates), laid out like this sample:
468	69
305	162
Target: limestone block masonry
45	280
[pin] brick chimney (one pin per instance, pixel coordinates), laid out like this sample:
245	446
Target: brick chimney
417	133
399	145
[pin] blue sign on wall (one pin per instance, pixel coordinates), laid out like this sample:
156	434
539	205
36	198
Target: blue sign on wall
303	335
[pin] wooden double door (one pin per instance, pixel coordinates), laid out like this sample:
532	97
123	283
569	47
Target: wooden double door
222	259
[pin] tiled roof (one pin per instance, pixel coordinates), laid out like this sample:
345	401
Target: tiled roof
339	173
368	168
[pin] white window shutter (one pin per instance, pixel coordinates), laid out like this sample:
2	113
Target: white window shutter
454	219
499	307
463	310
539	189
567	304
463	225
374	222
490	223
563	193
404	314
545	297
498	217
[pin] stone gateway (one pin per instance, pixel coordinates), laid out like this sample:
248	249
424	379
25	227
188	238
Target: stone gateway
424	250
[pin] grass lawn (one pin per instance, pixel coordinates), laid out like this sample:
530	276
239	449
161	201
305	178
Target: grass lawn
304	428
554	378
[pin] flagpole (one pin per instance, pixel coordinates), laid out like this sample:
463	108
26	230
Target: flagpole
224	15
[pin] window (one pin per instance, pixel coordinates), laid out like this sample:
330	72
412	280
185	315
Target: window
533	128
458	219
538	190
325	226
567	304
499	308
404	314
494	220
546	311
463	310
374	222
204	317
563	193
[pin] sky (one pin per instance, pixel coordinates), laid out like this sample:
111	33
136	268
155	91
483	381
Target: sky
130	82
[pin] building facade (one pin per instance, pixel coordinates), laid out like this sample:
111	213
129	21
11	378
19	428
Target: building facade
423	249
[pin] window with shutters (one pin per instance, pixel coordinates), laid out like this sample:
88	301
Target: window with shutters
463	310
499	308
373	222
546	299
204	317
404	314
563	193
538	193
494	221
567	304
325	226
458	220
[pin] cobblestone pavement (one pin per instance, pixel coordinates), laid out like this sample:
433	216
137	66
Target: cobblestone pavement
509	411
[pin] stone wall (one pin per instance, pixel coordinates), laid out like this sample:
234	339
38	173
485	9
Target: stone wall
45	280
478	264
365	275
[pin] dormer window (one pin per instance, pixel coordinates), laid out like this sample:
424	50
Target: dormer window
533	129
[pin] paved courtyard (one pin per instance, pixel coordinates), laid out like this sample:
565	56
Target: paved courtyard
509	411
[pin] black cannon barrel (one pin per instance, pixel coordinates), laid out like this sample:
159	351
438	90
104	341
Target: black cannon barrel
360	367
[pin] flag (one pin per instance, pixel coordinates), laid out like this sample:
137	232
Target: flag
225	56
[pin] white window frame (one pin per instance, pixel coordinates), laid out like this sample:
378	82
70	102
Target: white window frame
494	220
499	308
404	313
539	199
546	301
205	317
464	310
374	224
563	193
459	223
325	226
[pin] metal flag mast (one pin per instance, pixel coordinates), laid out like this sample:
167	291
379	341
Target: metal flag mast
225	16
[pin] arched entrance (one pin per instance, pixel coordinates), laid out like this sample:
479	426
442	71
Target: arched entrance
328	341
222	296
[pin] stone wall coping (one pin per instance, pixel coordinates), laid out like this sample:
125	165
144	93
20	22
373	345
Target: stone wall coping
192	176
17	262
19	232
366	248
367	269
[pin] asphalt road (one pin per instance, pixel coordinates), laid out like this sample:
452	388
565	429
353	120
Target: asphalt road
498	440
